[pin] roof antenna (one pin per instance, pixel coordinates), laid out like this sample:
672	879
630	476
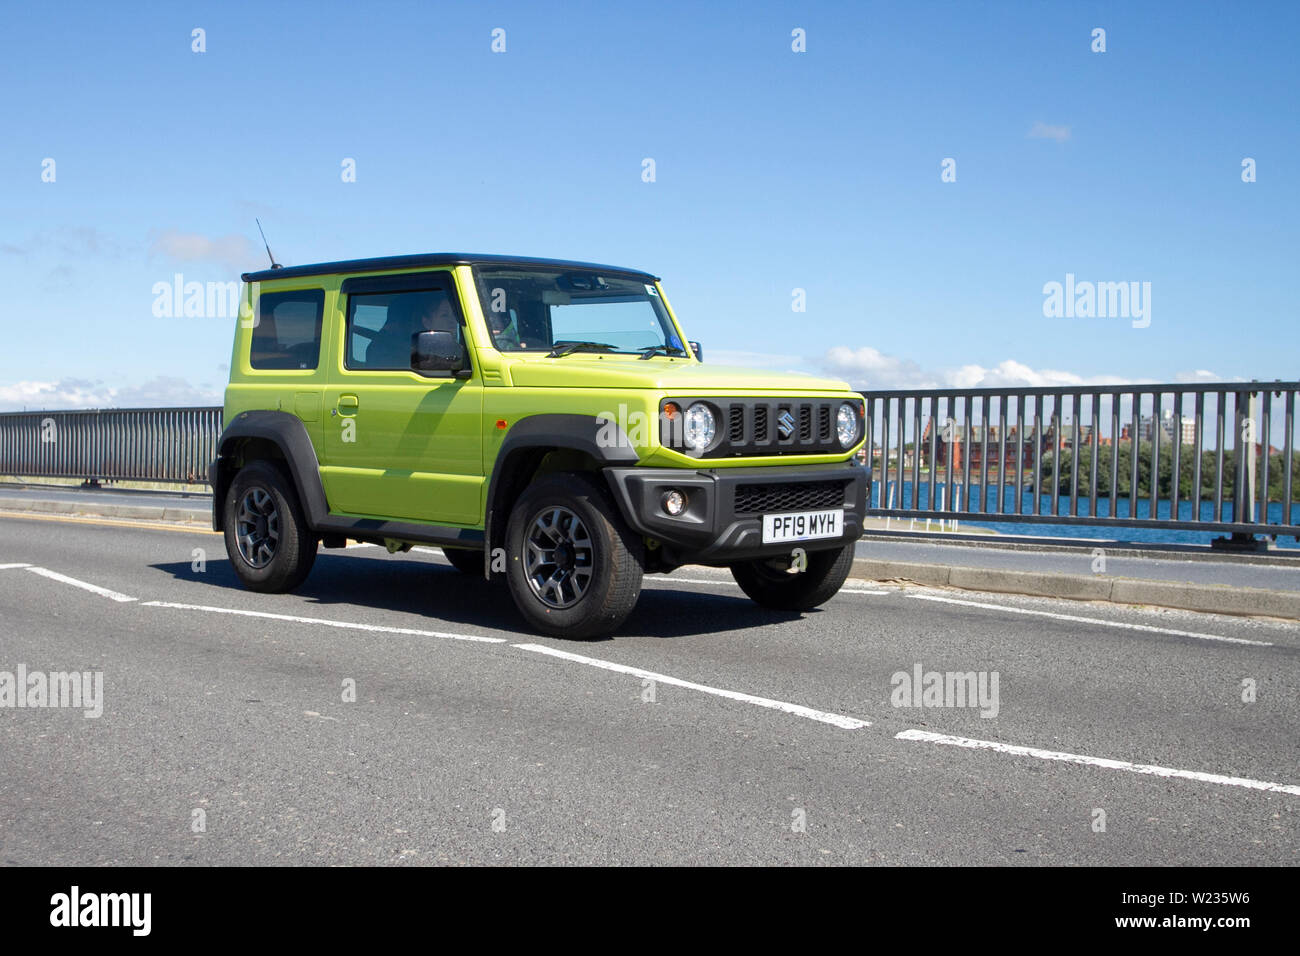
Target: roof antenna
269	254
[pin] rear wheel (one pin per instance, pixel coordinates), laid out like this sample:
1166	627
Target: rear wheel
771	583
267	539
467	562
574	568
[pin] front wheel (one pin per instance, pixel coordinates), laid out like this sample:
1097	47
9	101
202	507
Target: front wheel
574	567
771	583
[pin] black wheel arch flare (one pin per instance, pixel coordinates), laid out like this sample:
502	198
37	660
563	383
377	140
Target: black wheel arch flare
289	434
540	434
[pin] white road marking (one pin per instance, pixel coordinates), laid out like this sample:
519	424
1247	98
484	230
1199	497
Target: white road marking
836	720
10	567
1150	769
1093	620
92	588
347	625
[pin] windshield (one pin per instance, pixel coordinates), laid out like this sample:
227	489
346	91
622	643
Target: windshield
561	312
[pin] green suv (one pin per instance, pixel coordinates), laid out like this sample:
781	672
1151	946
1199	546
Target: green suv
539	419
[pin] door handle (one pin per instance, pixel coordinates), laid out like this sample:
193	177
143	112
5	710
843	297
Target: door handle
347	405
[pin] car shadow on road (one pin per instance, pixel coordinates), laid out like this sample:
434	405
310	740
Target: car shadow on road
436	591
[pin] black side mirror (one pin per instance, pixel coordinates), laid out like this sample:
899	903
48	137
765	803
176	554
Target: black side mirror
698	350
438	352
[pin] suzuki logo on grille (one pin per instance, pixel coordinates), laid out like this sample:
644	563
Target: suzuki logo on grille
785	424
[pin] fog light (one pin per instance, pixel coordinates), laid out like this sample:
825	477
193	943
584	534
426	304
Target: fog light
673	502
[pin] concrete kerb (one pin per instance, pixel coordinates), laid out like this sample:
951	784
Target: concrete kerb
106	510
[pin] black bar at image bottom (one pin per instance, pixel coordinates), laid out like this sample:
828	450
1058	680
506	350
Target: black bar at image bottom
1228	906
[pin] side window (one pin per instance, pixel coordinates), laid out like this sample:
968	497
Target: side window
383	325
287	333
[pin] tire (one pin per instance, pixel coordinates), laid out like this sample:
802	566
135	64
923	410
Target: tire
267	539
770	584
466	562
599	562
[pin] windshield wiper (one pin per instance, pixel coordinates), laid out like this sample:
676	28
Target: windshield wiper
565	348
666	349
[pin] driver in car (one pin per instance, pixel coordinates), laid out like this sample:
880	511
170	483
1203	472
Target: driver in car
504	331
436	315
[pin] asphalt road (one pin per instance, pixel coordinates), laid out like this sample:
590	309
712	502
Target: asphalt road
769	738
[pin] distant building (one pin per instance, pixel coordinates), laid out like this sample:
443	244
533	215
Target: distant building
956	445
1184	429
959	444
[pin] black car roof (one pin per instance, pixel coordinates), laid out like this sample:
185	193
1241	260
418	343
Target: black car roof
389	263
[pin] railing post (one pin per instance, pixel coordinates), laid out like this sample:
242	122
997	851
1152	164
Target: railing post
1243	485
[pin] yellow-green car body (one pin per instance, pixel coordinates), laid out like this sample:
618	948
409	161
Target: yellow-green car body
417	399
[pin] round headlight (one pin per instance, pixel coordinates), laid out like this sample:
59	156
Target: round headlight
846	425
698	427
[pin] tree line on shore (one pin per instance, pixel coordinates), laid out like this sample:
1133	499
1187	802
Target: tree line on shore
1165	476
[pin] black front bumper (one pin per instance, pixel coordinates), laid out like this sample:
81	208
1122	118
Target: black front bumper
723	519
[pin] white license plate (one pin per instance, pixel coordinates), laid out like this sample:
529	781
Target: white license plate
803	525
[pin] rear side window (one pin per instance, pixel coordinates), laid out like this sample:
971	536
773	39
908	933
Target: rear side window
288	329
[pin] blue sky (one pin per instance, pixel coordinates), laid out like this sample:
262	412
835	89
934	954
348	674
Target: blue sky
775	170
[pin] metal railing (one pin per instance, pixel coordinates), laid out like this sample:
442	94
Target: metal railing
1096	455
119	444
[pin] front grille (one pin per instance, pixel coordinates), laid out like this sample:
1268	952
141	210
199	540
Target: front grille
753	428
789	496
759	427
736	427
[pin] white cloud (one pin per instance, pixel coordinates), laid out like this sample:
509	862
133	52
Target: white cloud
1199	375
234	252
66	393
1012	374
869	368
1047	131
163	390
